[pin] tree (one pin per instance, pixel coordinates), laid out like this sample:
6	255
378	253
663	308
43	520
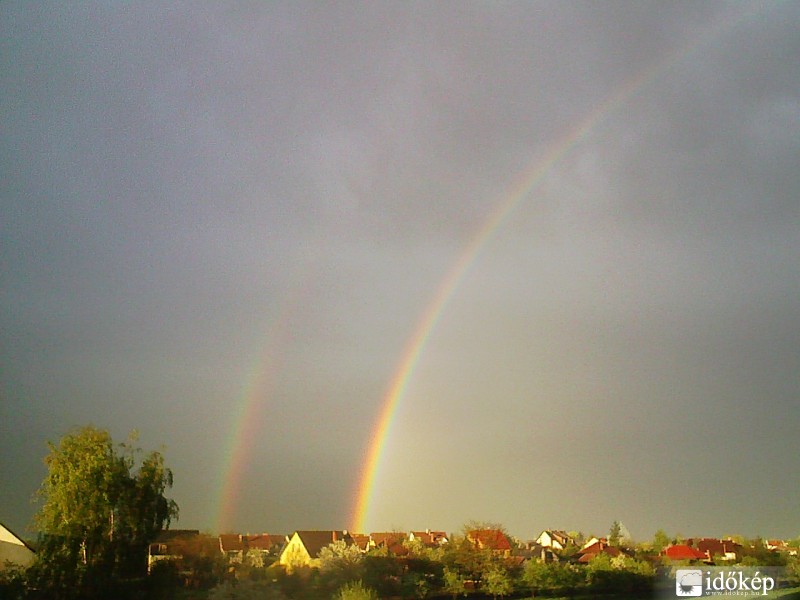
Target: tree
540	575
454	583
497	581
660	540
340	563
99	511
614	534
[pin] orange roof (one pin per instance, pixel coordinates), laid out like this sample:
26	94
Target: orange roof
493	539
682	552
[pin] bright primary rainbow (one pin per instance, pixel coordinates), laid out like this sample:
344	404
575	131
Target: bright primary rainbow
524	185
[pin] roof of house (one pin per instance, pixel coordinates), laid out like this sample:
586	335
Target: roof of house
493	539
314	541
14	549
264	541
682	552
392	541
168	535
384	537
361	540
430	538
8	536
231	542
714	547
596	549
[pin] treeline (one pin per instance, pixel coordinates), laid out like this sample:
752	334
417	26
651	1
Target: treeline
457	569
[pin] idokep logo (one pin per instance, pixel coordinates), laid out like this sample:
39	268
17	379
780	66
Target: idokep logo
688	582
719	581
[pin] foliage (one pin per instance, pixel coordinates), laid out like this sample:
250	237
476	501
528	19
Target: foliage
339	555
497	581
99	513
355	590
623	562
660	541
793	570
13	582
756	553
539	575
382	573
340	563
454	583
414	584
620	574
614	534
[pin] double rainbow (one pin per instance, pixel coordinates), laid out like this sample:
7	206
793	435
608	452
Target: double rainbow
262	377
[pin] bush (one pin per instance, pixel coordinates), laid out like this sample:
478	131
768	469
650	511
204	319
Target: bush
355	591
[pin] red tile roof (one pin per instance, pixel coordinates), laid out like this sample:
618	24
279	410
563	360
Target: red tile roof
493	539
682	552
392	541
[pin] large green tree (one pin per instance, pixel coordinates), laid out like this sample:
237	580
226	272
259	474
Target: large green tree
102	504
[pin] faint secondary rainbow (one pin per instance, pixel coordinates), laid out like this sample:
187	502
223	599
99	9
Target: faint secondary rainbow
247	422
528	179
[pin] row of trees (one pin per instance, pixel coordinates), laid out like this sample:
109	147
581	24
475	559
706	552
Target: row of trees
457	569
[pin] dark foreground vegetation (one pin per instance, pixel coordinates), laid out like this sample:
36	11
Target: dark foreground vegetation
104	504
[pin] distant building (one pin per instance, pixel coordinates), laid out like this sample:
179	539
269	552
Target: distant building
432	539
303	547
719	550
392	541
490	539
234	546
555	539
13	550
597	548
171	545
682	552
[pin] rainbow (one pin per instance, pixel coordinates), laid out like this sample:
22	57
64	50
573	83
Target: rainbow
247	421
523	185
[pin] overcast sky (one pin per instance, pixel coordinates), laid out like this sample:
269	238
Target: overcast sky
189	192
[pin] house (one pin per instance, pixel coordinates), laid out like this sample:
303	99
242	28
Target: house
361	540
682	552
599	547
14	550
265	543
392	541
490	539
303	547
235	546
593	540
232	547
171	545
714	549
538	552
555	539
432	539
